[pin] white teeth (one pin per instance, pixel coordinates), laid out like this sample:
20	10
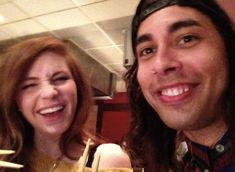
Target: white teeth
175	91
50	110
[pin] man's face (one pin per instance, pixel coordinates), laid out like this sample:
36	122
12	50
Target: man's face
182	67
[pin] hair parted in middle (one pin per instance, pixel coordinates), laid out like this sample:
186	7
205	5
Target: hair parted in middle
15	132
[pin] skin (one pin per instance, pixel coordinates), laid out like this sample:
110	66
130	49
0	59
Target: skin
182	71
48	87
112	156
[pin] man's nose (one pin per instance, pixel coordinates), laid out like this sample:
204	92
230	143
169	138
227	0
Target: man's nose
166	61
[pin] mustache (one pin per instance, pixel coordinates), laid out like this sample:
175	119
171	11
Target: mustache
175	77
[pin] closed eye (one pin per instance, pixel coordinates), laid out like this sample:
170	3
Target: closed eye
27	86
60	79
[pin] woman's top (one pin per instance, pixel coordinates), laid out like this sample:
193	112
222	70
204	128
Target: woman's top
42	162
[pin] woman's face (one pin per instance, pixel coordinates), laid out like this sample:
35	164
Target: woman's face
47	96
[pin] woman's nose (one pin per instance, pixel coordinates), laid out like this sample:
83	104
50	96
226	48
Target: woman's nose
166	61
48	91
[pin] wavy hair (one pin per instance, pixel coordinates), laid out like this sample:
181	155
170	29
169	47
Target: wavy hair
150	142
15	132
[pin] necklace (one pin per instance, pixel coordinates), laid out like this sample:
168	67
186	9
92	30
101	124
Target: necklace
56	163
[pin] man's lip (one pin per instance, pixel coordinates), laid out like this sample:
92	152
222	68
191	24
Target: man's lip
176	90
173	85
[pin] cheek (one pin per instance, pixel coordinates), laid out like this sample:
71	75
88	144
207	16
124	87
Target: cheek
143	76
219	77
25	106
216	67
22	102
75	98
72	91
210	61
216	64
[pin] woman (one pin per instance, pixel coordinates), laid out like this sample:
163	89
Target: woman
45	101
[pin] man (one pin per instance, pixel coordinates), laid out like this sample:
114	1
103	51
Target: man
181	87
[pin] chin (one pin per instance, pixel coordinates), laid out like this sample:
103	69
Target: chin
56	131
177	125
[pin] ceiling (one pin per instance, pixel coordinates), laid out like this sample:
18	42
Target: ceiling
96	26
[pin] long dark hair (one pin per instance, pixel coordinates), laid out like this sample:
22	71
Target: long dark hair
15	132
150	142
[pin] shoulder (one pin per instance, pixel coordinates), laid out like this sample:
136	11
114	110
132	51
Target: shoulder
112	156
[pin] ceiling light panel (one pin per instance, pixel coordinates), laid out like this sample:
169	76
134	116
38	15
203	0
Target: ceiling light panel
26	27
4	35
11	12
72	32
115	28
111	9
107	55
87	2
88	38
2	19
41	7
89	43
4	1
64	19
117	68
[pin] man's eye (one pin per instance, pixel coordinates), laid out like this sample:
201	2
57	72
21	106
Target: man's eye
146	52
188	40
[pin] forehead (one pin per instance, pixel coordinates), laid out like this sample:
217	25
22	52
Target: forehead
165	17
48	61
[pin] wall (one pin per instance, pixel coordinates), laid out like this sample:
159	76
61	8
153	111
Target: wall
114	117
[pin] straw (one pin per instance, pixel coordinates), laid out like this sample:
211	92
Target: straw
6	152
82	165
96	163
10	165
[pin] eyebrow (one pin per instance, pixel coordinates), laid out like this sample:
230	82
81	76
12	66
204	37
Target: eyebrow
29	79
173	28
143	38
182	24
35	78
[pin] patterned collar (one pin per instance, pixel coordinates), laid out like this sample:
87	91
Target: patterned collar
202	158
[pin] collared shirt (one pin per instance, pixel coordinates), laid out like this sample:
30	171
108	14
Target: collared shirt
199	158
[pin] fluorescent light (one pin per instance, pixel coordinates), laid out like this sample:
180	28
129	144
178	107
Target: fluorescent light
2	19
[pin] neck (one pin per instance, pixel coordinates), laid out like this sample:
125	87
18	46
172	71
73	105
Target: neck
50	146
47	145
209	135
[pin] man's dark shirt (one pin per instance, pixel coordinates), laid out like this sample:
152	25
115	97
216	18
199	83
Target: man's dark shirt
200	158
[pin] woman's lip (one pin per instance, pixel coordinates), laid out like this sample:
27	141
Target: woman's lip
50	109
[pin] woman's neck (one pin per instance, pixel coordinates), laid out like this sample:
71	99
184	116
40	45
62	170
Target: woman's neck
47	145
50	146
